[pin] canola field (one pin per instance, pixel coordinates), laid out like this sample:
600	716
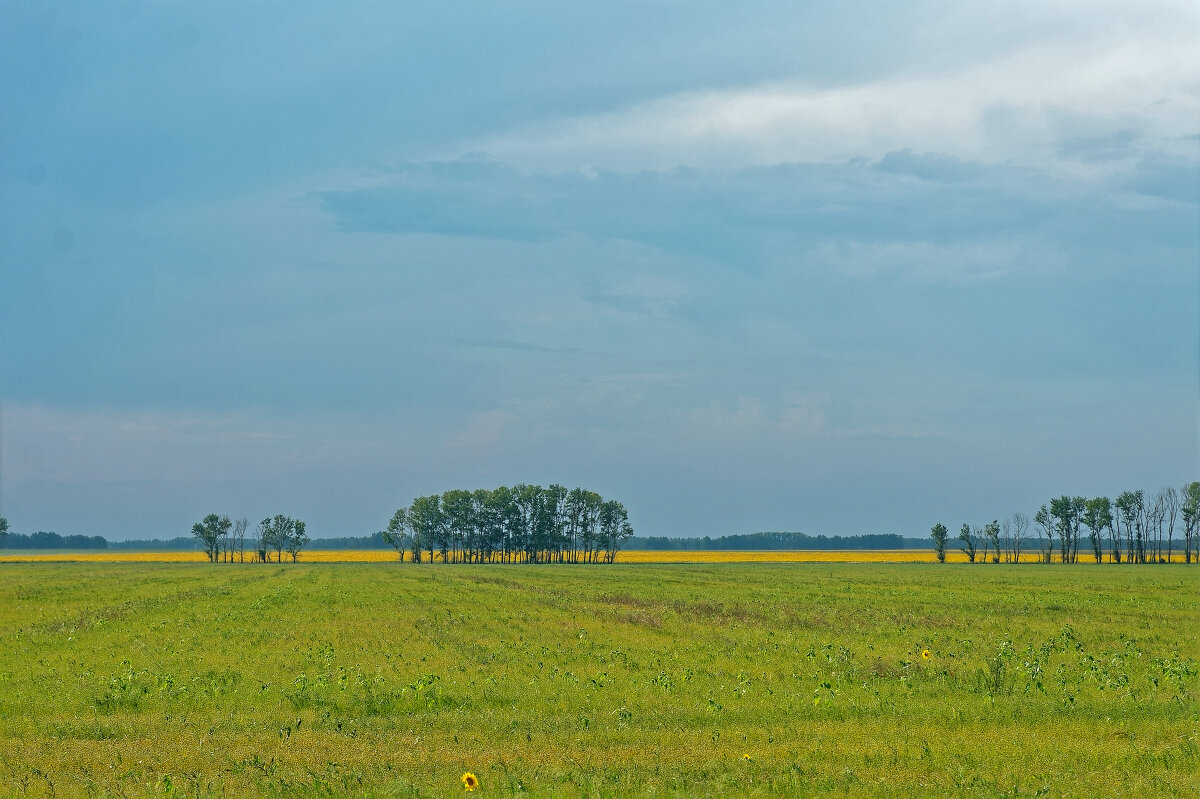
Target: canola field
648	680
630	556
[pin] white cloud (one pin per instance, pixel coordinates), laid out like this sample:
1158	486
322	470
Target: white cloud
1017	108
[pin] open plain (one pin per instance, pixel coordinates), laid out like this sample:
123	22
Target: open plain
819	679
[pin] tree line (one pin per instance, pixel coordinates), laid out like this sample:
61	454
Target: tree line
1135	527
522	524
770	541
224	540
44	540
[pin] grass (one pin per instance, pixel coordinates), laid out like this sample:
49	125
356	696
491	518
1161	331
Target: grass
648	680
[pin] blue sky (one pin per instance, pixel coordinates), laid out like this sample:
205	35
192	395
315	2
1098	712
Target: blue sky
837	268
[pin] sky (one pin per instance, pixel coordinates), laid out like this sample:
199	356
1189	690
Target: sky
837	268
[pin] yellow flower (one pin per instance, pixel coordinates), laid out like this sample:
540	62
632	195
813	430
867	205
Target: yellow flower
470	781
926	654
747	757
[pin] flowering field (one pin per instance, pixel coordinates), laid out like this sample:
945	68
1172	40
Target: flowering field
803	679
631	556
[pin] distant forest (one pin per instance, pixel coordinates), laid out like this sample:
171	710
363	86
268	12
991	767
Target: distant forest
771	541
43	540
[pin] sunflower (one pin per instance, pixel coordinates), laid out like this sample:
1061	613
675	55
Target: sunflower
926	654
470	781
747	758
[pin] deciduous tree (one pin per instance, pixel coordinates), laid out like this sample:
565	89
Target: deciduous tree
1097	515
939	534
210	530
1190	508
968	537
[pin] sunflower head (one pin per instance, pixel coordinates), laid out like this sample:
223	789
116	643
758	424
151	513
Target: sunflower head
926	654
747	757
470	781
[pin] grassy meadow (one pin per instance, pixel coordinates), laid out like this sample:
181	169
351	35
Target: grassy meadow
722	680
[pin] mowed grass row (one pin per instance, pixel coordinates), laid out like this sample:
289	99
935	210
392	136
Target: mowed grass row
669	680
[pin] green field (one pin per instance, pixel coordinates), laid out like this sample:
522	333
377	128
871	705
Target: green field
718	680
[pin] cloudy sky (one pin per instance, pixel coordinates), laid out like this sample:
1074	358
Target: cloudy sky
839	267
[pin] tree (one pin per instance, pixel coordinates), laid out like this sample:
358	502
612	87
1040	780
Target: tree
939	533
263	544
398	534
1171	502
239	535
210	530
275	535
296	538
1097	515
1190	507
1156	517
3	526
1020	528
968	537
458	509
614	528
1045	526
1066	512
1131	506
992	532
425	519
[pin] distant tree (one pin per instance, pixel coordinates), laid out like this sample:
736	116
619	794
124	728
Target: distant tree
275	533
426	520
1190	508
1172	500
1045	528
503	520
239	537
296	538
1020	524
397	535
614	528
1156	517
554	505
263	543
968	538
1131	507
458	509
3	526
992	533
939	533
211	530
1097	515
530	515
1066	511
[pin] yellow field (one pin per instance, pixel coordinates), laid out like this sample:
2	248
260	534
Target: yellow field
632	556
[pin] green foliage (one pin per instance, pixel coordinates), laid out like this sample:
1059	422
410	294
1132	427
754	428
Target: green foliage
398	533
3	526
655	681
211	531
1191	520
939	533
522	524
1097	516
281	534
968	538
